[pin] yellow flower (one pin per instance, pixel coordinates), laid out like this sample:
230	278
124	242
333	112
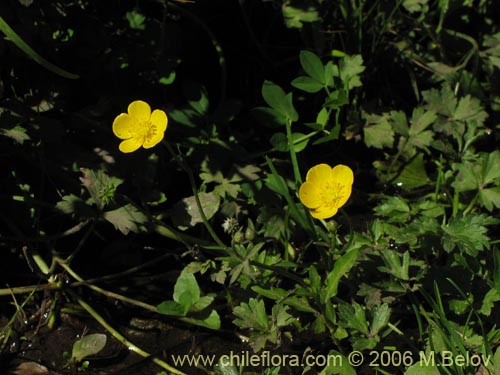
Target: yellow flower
139	127
326	189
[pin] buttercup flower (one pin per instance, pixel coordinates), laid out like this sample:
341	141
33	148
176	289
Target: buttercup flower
326	189
139	127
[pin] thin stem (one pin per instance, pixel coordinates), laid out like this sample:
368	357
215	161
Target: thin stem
117	335
166	231
179	158
106	292
30	288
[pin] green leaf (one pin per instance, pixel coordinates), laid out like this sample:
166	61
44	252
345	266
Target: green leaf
413	6
399	123
211	322
17	133
338	366
101	187
490	197
251	315
395	209
71	204
413	174
353	316
125	218
489	301
396	264
171	308
21	44
202	304
276	98
322	117
420	121
168	80
186	290
490	167
380	319
424	366
341	267
307	84
378	132
272	293
313	66
186	214
136	20
268	117
467	233
336	99
350	67
272	222
197	96
331	71
280	315
225	367
431	209
280	142
469	109
88	345
298	13
187	117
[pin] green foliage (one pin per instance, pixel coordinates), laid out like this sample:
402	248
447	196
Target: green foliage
136	20
188	303
410	104
88	345
264	328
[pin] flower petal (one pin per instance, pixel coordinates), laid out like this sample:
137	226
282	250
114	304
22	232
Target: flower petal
153	140
343	174
159	118
346	193
319	174
309	195
124	126
139	110
130	145
324	212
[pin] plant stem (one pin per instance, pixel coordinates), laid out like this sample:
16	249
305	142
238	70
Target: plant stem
293	155
179	158
117	335
107	293
30	288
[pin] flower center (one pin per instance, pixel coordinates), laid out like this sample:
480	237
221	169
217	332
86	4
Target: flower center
331	194
147	130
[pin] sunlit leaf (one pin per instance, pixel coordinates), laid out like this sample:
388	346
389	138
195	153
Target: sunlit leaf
186	290
350	68
17	133
186	214
313	66
297	13
280	142
341	267
251	315
88	345
414	174
378	132
136	20
100	185
276	98
307	84
126	218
